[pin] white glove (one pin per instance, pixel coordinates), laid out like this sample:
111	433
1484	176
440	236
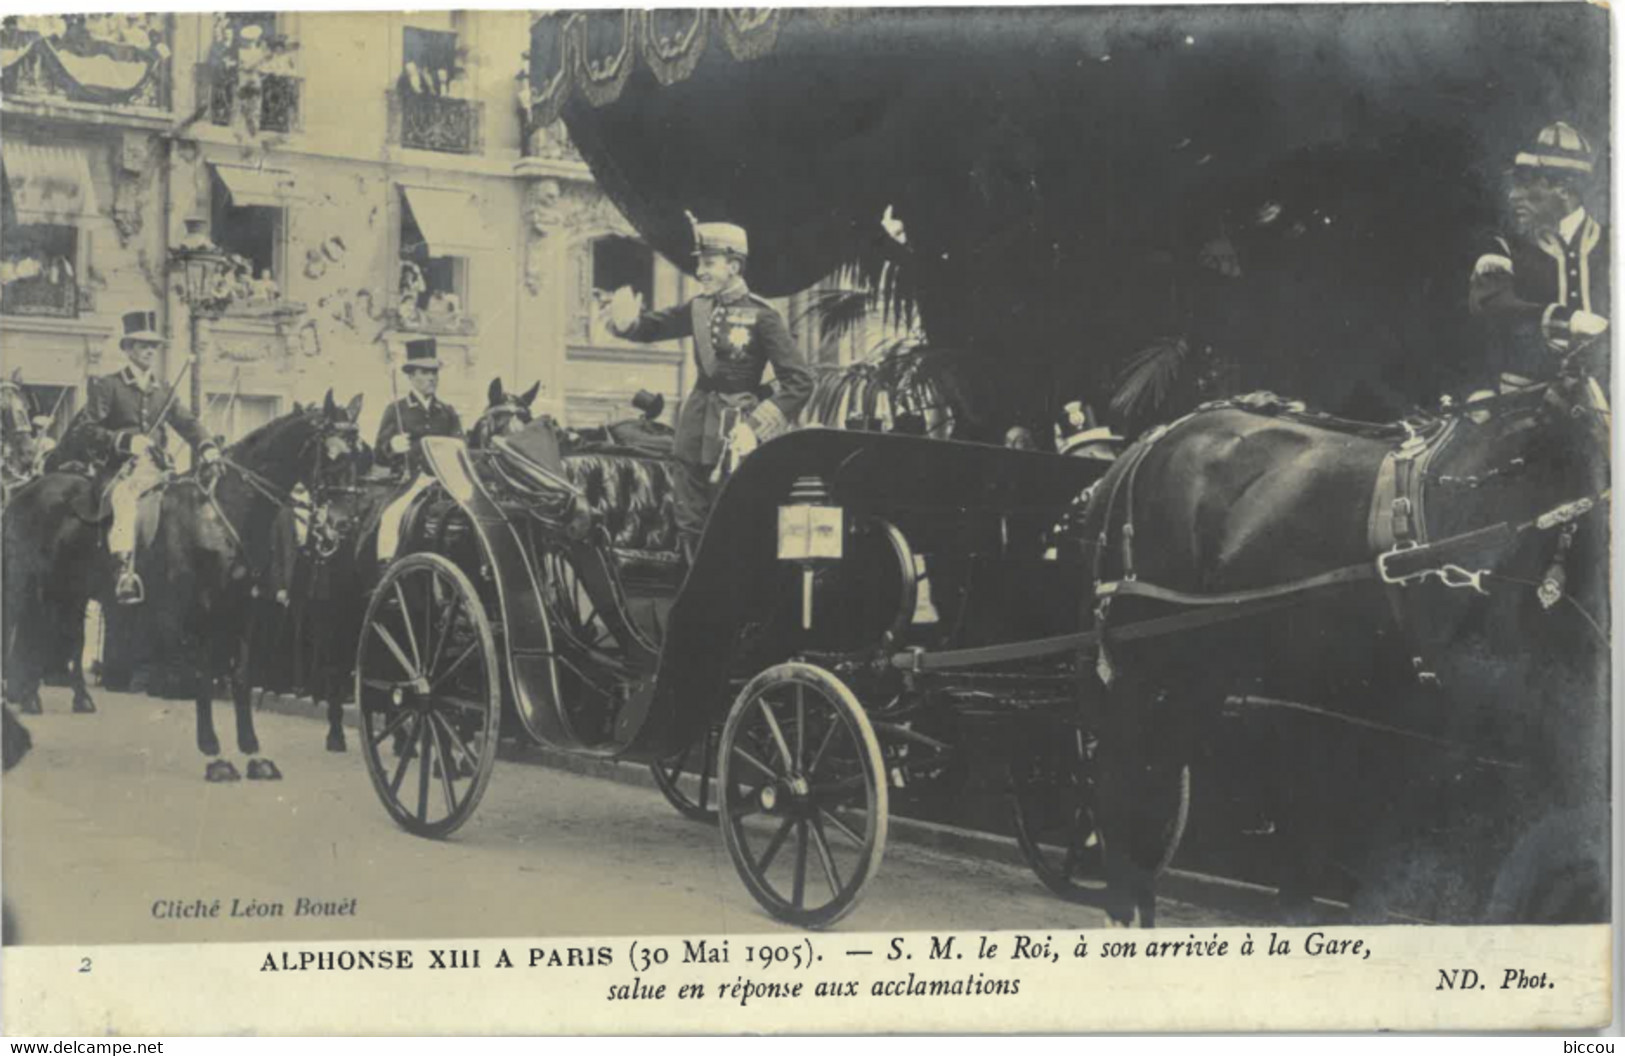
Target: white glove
211	455
1587	324
625	306
400	443
140	445
742	440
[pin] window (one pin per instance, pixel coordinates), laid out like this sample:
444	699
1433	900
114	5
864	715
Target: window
252	234
250	67
39	268
429	63
607	264
428	107
433	280
234	417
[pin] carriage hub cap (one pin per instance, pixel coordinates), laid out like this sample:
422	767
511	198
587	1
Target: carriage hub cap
770	797
396	696
798	786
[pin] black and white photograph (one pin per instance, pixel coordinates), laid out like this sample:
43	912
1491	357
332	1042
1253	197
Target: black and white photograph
1112	480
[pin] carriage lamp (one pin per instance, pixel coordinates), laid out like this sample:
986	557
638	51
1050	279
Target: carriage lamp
811	533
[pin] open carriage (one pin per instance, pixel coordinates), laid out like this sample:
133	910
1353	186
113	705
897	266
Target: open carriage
543	591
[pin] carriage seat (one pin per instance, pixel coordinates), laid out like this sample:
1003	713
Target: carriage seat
631	499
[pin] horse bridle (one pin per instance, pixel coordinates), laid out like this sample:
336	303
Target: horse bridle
323	537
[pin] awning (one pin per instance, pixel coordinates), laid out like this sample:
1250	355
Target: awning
449	220
250	186
48	184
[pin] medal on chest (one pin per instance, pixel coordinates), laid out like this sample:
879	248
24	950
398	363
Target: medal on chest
731	330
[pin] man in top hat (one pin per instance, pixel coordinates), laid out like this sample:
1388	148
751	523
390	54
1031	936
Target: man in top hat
420	412
1543	286
736	334
124	427
407	421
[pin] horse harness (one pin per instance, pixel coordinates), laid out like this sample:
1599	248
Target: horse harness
324	541
1397	532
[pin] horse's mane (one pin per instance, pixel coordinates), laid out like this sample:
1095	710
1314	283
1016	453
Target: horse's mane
258	440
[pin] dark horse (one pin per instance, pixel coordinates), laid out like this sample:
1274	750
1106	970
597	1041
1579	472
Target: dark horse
214	541
505	412
1383	700
54	563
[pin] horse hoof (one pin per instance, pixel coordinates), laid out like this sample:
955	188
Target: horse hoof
84	706
263	770
31	706
221	770
335	742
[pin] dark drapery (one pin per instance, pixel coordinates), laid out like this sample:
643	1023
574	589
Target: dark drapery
1058	170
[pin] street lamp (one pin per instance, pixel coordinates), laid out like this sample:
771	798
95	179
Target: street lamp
205	273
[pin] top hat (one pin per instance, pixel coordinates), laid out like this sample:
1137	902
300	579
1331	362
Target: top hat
1077	426
140	326
422	354
650	403
1559	146
719	238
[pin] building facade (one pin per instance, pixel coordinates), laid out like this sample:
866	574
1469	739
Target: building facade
372	175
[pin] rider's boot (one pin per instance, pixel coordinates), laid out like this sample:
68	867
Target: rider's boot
129	589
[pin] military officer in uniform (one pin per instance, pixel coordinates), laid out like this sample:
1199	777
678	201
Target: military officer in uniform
124	427
420	412
1543	287
736	334
407	421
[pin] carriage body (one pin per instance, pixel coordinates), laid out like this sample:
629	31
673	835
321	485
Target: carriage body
769	668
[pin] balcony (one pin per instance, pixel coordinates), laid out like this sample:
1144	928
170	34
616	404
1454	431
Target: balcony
222	92
439	123
117	60
41	297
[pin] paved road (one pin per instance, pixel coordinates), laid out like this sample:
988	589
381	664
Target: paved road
110	814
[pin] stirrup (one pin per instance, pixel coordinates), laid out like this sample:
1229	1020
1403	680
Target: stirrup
130	590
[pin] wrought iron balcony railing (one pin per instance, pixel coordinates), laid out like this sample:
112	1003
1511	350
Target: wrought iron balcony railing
58	300
222	90
436	122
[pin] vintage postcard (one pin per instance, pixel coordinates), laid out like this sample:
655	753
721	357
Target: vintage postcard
807	520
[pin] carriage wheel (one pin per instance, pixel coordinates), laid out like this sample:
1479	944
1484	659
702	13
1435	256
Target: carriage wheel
700	760
430	694
803	794
1054	799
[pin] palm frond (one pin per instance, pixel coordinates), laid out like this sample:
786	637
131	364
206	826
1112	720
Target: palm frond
1148	375
837	312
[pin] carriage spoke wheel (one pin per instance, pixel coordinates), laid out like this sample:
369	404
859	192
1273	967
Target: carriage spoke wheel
430	695
803	794
688	779
1053	792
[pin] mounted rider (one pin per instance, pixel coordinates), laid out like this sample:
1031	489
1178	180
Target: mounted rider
123	430
736	334
407	421
1544	286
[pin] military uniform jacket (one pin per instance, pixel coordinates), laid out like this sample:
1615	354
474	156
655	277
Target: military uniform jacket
417	421
119	408
1528	289
735	336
